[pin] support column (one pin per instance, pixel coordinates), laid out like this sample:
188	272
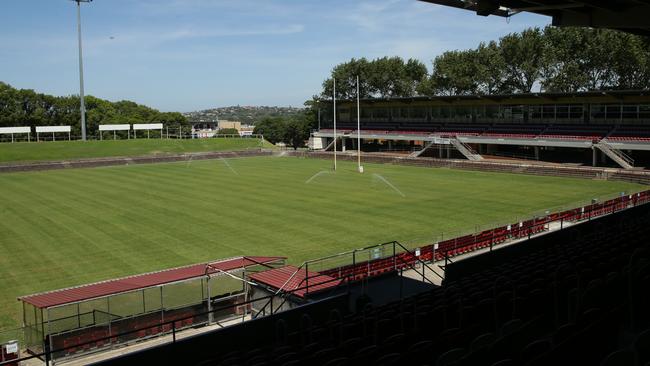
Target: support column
594	156
390	145
536	152
440	151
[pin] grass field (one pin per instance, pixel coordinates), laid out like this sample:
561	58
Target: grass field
61	150
69	227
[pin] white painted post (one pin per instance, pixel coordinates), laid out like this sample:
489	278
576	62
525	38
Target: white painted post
358	130
334	99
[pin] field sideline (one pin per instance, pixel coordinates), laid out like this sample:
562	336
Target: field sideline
62	150
69	227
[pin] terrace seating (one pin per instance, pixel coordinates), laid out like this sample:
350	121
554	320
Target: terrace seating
624	133
516	129
510	135
463	128
631	133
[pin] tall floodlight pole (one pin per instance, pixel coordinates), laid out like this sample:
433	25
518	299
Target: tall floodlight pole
334	98
358	130
81	71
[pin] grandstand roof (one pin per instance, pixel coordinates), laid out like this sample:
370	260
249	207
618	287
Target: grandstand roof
626	15
292	280
141	281
595	95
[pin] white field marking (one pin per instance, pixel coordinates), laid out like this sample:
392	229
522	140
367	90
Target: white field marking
316	176
189	161
228	165
377	176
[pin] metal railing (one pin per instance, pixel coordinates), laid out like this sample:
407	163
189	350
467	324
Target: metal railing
184	133
620	154
171	327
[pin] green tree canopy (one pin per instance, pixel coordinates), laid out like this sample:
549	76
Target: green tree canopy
228	131
383	77
24	107
552	59
272	128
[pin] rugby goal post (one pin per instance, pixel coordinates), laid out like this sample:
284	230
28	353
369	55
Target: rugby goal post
14	130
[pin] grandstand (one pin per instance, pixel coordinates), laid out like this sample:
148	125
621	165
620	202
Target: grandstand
592	128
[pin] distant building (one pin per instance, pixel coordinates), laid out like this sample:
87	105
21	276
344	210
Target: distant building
223	124
204	129
246	130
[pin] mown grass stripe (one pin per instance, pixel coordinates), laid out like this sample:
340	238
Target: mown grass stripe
68	227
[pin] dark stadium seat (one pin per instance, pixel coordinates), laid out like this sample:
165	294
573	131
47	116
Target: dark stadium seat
620	358
642	346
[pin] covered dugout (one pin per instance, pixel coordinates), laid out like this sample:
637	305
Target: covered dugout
101	314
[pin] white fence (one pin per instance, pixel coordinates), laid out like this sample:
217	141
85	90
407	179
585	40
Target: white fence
148	127
14	130
115	128
53	130
51	133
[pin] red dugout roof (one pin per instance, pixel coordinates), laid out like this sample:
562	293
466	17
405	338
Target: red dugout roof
278	277
141	281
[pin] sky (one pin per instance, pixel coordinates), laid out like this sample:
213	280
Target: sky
186	55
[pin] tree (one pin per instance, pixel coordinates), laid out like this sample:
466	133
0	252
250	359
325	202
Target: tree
384	77
346	80
271	128
454	73
171	118
227	131
23	107
417	73
632	62
295	132
490	67
524	54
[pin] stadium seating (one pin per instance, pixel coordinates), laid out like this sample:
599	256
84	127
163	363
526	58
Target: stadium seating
517	131
577	296
624	133
631	133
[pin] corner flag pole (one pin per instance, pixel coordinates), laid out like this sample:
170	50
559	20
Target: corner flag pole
334	96
358	130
